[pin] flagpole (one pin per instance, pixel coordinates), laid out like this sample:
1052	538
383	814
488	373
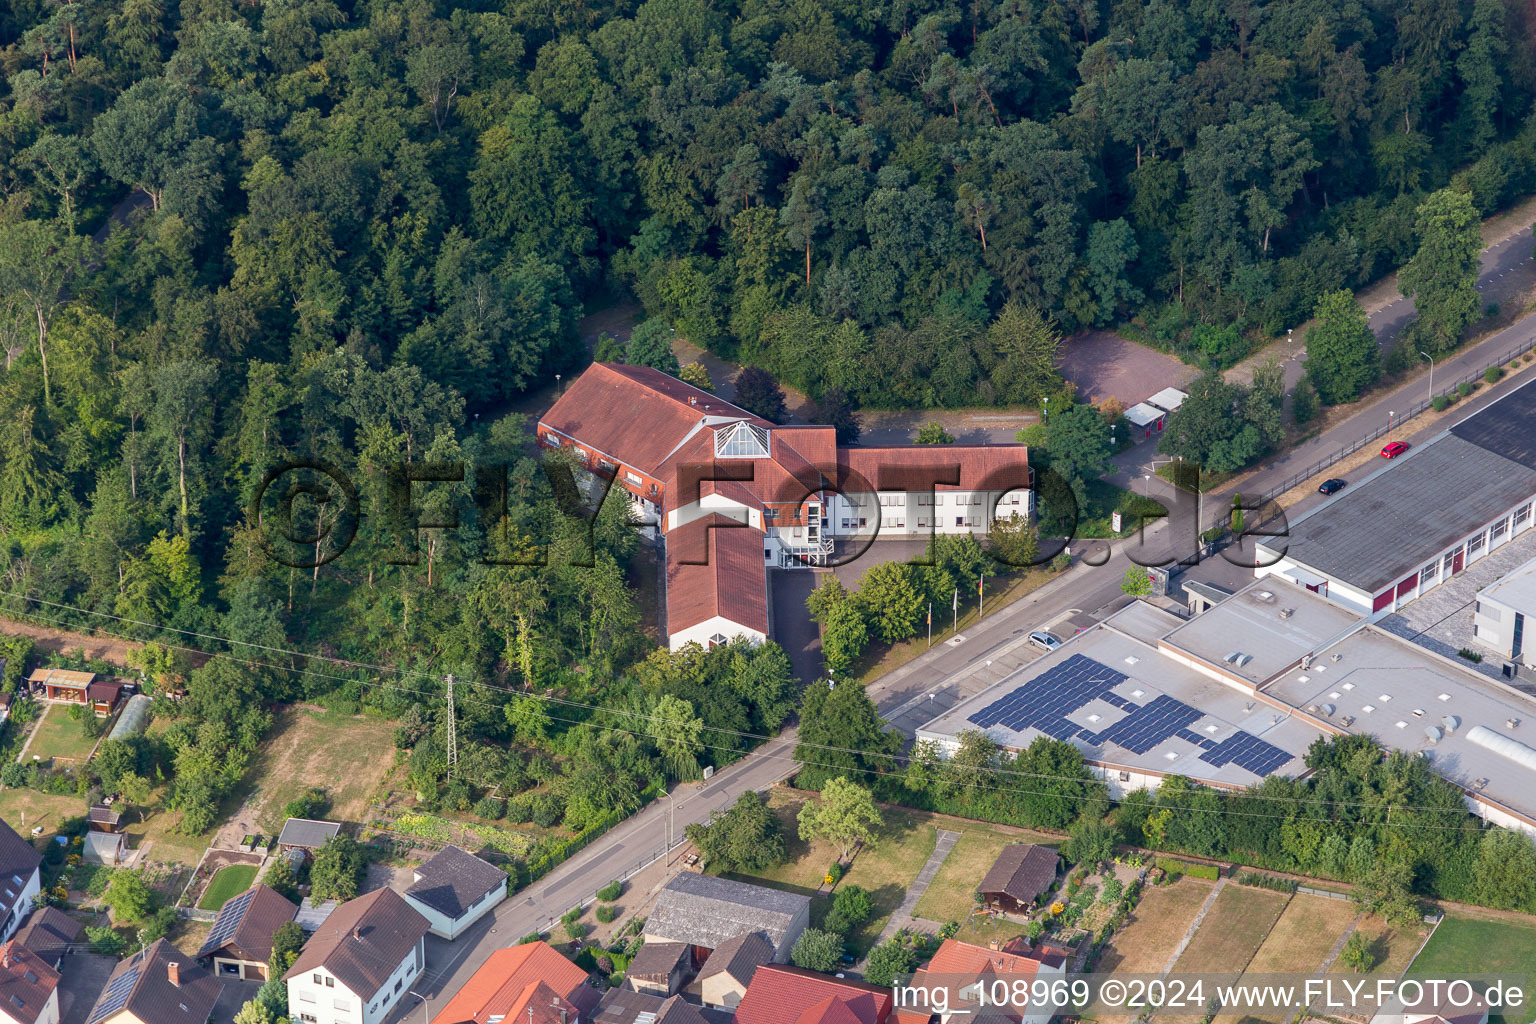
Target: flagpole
930	623
981	597
955	607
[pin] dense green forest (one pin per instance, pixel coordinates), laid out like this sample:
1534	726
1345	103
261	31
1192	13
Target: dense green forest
233	233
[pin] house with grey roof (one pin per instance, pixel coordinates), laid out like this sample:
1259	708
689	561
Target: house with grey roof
359	962
454	889
49	933
707	912
724	978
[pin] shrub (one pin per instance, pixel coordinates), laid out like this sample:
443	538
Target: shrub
490	807
607	913
835	873
530	937
1259	881
1491	310
1440	403
575	929
1470	654
1492	374
570	915
611	891
887	961
311	803
1464	388
852	905
817	950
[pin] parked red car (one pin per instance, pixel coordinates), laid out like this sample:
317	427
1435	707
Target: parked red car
1394	449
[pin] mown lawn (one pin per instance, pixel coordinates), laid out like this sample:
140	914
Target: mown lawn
1464	944
227	883
56	734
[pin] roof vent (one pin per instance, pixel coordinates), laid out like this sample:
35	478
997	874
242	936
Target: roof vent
1265	595
1434	733
1286	613
1479	784
1347	721
1329	709
1512	723
693	400
1337	657
1306	662
1451	723
1248	707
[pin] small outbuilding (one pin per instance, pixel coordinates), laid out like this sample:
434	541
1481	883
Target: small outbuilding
660	968
1022	873
1168	399
50	933
105	848
104	818
306	834
1145	420
134	719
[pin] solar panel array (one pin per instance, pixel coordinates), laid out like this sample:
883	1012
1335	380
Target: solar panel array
228	920
116	995
1044	703
1247	751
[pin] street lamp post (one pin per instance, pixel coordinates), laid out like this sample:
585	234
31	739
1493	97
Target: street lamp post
1045	408
1431	359
671	823
557	385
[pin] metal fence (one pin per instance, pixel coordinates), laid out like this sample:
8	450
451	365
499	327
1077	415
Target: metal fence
1395	424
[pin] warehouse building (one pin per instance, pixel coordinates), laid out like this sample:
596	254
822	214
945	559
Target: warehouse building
1420	519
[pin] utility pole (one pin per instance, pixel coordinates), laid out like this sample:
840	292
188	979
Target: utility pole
453	733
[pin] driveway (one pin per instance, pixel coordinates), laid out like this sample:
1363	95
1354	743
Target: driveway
235	995
793	629
1105	365
84	976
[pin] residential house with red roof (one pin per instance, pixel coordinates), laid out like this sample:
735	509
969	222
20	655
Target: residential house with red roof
731	489
780	994
29	987
518	979
967	974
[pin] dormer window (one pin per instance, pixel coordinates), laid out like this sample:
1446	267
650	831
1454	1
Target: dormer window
741	440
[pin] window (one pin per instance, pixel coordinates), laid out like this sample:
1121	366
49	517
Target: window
862	522
1500	528
398	984
925	499
633	478
922	524
1522	515
343	1004
770	514
959	520
307	997
581	453
330	982
767	555
317	980
899	523
741	441
309	1018
553	442
1475	546
893	500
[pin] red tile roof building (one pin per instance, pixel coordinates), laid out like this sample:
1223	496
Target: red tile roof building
518	978
961	966
689	459
780	994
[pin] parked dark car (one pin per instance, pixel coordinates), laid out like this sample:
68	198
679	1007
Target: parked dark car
1333	486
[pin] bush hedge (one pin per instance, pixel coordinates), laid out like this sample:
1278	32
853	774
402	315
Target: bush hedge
1259	881
607	912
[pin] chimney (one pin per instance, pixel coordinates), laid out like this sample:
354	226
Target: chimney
357	933
173	972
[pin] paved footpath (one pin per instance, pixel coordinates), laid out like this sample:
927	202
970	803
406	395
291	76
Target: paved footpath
902	916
